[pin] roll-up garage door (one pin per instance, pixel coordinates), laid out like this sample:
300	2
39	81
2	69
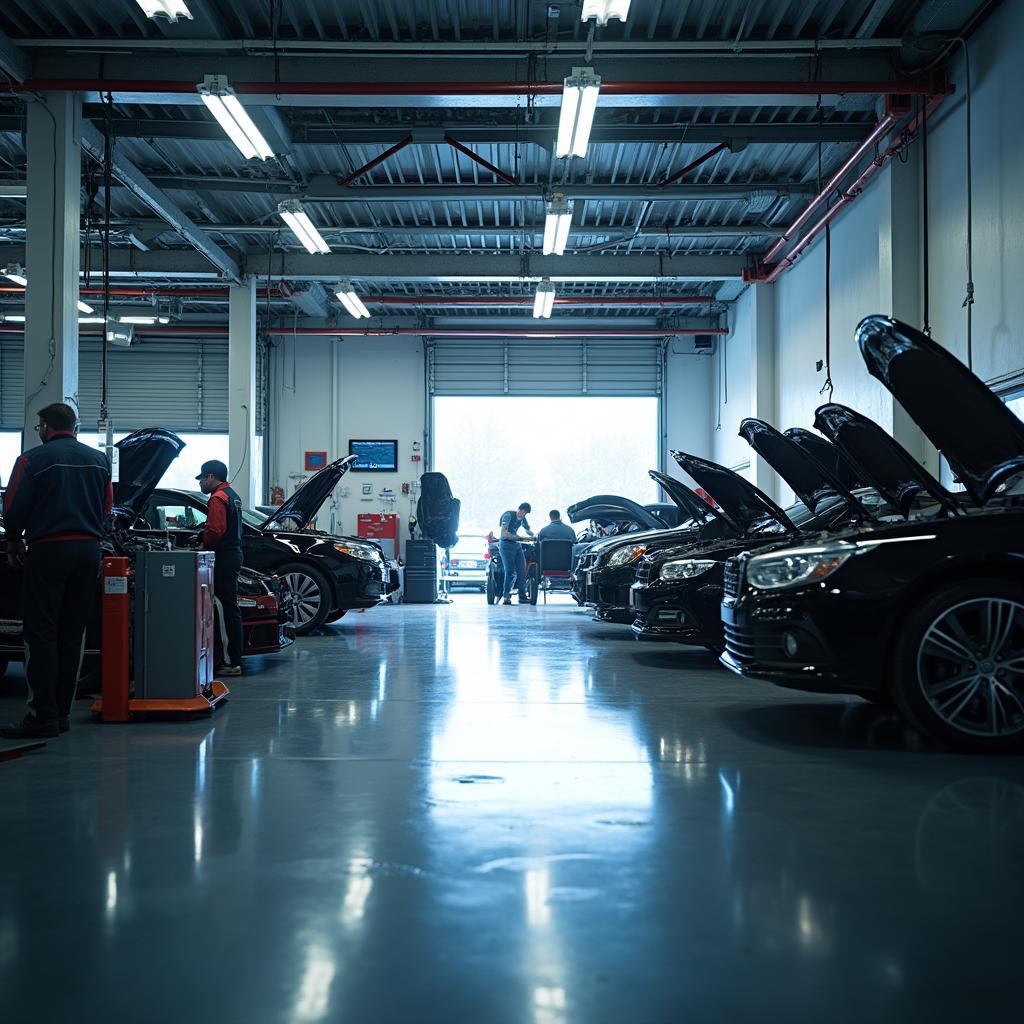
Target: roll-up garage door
180	384
569	368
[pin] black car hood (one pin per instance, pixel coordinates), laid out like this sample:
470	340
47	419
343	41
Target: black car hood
739	502
884	463
982	439
301	508
693	506
144	456
613	506
828	456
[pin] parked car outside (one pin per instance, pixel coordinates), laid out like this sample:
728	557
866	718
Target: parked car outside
929	613
465	565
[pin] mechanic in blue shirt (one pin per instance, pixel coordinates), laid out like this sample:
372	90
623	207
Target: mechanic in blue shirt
513	561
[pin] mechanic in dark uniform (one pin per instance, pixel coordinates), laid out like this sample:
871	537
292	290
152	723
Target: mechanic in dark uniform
513	561
57	500
223	536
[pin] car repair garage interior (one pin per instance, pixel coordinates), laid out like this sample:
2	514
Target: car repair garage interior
562	555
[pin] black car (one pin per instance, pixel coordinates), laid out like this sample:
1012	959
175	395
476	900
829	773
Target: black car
606	570
144	457
327	575
928	612
677	592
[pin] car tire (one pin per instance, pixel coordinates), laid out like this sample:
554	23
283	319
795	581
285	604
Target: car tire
532	584
491	589
311	596
950	674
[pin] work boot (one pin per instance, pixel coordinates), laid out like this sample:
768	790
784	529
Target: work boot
30	728
229	670
506	600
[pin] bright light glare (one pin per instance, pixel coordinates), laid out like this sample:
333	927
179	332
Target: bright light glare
603	10
172	10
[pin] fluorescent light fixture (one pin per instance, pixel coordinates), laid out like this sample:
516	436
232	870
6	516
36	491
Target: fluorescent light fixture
172	10
297	219
579	101
140	320
84	307
556	225
602	10
14	318
348	298
16	273
90	319
544	300
221	101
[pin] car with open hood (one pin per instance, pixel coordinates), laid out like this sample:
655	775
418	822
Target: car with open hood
326	574
677	591
928	612
143	458
606	570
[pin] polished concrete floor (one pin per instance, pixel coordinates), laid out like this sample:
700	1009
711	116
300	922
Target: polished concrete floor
472	814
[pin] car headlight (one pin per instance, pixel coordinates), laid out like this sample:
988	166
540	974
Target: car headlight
626	554
357	550
686	568
793	566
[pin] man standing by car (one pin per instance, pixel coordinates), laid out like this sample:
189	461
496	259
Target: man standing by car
223	536
57	499
513	561
556	529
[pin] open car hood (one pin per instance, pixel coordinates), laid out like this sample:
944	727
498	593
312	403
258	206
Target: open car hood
982	439
301	508
828	456
810	481
144	456
883	462
692	506
614	507
739	502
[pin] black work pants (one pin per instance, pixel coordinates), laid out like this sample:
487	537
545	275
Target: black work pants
228	632
59	594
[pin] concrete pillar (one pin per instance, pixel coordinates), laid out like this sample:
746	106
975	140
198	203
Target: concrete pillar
242	388
899	275
762	374
54	163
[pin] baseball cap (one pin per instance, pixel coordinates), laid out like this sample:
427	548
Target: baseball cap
216	467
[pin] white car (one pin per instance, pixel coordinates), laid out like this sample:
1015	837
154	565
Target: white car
468	565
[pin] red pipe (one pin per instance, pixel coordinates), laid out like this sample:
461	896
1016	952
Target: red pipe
161	293
848	195
527	300
377	160
880	129
696	163
925	86
497	172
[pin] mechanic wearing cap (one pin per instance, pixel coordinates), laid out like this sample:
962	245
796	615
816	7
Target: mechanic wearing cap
223	536
58	496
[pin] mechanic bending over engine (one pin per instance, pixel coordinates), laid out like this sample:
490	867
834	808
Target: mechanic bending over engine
513	561
57	499
223	536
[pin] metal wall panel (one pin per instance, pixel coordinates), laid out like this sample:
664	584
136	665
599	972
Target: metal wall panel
565	368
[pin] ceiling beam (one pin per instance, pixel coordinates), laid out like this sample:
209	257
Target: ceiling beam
14	62
162	205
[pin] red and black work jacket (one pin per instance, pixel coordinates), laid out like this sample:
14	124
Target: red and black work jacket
223	521
60	490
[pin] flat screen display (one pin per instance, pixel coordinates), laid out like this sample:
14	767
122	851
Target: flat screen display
374	456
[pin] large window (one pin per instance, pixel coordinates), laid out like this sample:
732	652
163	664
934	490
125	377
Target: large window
551	452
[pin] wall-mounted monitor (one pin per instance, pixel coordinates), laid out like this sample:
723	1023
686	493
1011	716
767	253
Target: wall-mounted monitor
374	456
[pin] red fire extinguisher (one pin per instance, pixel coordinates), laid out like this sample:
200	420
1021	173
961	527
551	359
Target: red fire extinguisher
276	495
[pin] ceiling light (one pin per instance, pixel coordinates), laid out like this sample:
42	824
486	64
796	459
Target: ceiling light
556	225
14	318
221	101
579	101
90	319
16	273
544	300
84	307
602	10
172	10
302	227
348	298
140	320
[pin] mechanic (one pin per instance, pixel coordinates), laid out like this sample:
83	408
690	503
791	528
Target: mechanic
57	499
513	561
556	529
223	536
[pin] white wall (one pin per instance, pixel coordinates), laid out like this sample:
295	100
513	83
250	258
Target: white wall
688	401
733	398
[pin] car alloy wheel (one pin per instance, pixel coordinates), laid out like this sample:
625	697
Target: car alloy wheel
970	667
310	604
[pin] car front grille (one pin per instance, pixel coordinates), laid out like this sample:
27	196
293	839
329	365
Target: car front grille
732	578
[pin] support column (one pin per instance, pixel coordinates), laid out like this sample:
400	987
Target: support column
242	388
54	162
899	275
762	372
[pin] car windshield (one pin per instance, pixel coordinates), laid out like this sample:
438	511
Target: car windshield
249	517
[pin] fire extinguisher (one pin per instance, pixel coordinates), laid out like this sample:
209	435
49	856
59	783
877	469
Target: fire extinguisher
276	495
